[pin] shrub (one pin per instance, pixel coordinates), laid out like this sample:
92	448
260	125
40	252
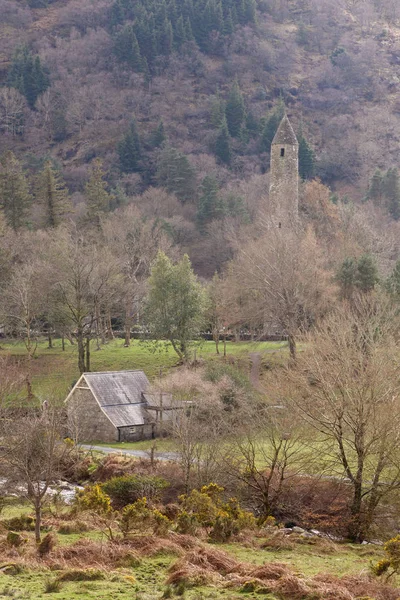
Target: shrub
21	523
136	516
52	585
391	563
47	544
15	539
93	498
129	488
73	527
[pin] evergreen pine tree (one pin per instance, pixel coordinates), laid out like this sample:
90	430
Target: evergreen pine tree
222	144
126	48
367	273
271	127
28	75
217	110
346	277
179	32
176	174
188	30
210	205
97	198
166	38
392	193
15	198
393	282
306	158
158	137
129	150
235	110
376	189
250	11
229	26
52	194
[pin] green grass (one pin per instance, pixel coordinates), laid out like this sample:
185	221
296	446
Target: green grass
55	371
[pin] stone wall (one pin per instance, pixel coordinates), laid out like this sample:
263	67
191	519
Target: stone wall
86	420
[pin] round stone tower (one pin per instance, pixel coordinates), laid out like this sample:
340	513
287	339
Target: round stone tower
284	176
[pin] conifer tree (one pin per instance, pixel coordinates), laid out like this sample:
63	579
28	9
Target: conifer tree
126	48
129	150
217	115
52	195
28	75
210	205
392	193
306	158
346	277
97	198
15	198
222	144
235	110
366	276
180	32
159	136
376	189
393	282
176	174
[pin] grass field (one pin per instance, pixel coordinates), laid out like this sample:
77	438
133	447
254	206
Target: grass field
146	580
55	371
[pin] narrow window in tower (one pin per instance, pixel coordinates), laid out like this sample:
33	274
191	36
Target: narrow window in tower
282	152
279	225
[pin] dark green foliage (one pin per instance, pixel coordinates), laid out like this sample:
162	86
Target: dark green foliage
127	49
162	26
217	113
346	277
210	204
222	144
367	273
393	282
52	194
392	193
129	150
159	136
270	127
129	488
376	189
361	275
28	75
15	198
306	158
176	174
235	111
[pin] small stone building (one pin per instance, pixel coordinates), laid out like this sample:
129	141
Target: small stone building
114	407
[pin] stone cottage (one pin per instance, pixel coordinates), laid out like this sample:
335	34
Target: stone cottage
115	406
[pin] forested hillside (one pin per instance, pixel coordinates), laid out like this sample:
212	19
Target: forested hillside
172	105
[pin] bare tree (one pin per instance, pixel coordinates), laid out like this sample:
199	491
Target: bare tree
31	455
346	386
283	275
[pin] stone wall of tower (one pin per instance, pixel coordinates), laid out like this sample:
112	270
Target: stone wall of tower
284	183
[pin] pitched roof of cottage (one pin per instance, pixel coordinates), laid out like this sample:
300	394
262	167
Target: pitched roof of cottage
119	395
285	133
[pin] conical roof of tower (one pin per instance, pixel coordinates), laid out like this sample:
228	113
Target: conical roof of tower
285	133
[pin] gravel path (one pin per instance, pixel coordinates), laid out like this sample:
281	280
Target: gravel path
167	456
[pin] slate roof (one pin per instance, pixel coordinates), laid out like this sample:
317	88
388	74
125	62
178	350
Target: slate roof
119	394
285	133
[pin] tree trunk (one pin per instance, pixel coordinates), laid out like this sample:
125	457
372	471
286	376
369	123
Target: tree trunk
355	528
87	347
63	342
292	347
128	325
81	351
224	346
50	340
38	520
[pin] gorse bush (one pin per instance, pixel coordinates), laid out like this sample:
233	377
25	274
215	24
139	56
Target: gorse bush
129	488
206	508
